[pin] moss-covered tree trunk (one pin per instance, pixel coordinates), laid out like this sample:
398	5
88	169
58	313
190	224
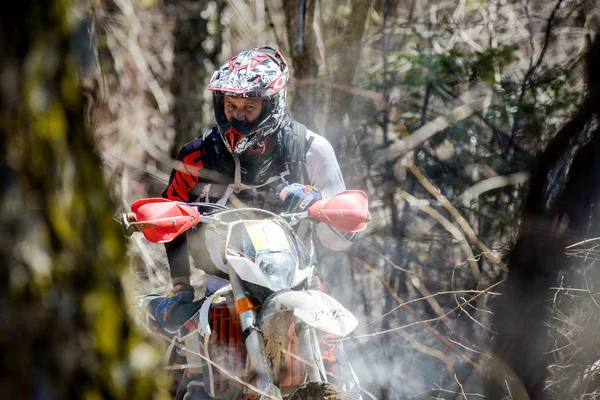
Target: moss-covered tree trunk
64	331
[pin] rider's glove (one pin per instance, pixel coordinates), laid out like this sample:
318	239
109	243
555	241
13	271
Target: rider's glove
181	293
297	197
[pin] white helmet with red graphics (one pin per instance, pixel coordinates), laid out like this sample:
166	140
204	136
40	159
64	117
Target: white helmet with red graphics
261	72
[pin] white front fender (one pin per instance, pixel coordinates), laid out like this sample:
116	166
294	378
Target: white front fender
318	310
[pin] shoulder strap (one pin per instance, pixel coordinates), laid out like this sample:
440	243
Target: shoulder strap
295	147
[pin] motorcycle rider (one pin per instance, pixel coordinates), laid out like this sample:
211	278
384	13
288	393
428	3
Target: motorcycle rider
246	156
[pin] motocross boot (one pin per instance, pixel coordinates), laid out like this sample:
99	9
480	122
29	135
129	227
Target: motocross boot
194	388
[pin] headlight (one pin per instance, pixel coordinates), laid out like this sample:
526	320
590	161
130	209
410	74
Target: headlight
277	268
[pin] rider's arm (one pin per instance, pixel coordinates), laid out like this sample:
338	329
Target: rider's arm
181	182
186	173
179	263
324	173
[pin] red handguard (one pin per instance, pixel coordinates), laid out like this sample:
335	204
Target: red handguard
162	220
347	211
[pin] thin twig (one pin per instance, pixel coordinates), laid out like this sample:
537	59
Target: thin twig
411	382
438	387
465	302
468	348
582	242
420	321
435	353
462	390
464	245
426	297
436	193
423	323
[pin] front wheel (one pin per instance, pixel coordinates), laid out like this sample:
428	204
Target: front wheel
319	391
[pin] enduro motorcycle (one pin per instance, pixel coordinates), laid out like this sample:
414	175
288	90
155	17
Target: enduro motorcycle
259	336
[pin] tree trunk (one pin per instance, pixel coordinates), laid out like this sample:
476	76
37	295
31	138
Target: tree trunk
190	73
64	332
299	17
349	54
522	345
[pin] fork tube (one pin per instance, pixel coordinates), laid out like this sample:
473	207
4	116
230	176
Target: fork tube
310	351
254	340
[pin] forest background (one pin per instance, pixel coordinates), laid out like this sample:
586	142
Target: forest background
436	109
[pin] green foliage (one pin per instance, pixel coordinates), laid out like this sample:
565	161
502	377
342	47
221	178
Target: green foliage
497	139
450	68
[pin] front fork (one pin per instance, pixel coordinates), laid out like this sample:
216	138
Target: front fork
255	344
310	351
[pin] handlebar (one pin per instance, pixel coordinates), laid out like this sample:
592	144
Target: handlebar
162	220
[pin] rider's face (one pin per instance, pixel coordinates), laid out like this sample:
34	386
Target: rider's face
245	110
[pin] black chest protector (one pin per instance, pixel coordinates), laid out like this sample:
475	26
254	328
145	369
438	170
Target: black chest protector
262	176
